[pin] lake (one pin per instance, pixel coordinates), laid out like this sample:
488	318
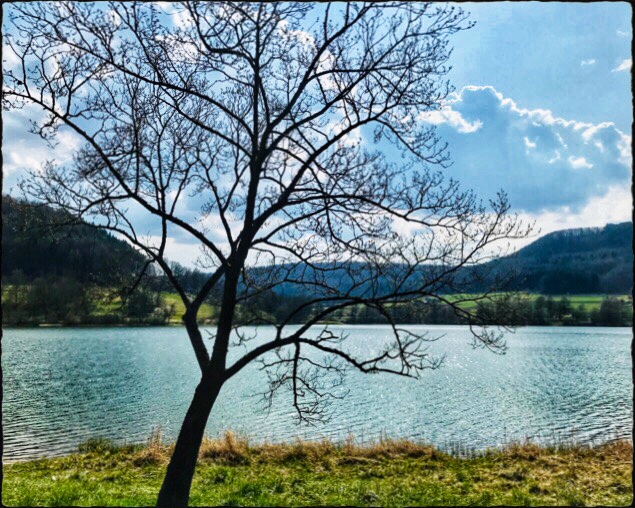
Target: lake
63	386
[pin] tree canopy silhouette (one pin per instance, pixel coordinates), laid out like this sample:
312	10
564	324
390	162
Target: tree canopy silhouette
291	136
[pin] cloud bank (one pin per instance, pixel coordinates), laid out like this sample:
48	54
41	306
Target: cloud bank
544	162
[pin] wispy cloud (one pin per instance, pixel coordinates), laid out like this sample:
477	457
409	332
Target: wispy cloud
625	65
623	33
579	162
590	61
25	151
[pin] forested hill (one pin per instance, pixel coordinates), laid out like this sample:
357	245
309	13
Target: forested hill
584	260
612	237
33	246
573	261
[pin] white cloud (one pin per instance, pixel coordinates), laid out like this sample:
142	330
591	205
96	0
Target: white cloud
613	207
625	65
579	162
163	6
114	17
182	19
187	254
453	118
590	61
16	160
29	151
555	158
9	59
405	227
625	147
179	15
622	33
306	40
561	141
544	162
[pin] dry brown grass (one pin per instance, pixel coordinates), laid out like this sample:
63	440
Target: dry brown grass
583	473
233	449
230	449
532	451
154	452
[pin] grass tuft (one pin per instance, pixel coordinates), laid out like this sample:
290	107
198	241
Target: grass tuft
97	445
231	449
155	451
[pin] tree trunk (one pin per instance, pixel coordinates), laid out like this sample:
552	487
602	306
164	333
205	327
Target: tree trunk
175	490
196	339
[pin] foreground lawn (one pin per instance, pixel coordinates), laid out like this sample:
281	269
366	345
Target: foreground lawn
391	473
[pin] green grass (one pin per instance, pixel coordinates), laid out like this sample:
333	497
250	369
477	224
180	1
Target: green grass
105	306
205	313
112	306
389	473
590	302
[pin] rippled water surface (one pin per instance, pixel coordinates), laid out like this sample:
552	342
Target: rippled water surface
63	386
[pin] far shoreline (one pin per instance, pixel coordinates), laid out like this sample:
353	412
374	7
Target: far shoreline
49	326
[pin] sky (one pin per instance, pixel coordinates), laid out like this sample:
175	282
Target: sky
542	109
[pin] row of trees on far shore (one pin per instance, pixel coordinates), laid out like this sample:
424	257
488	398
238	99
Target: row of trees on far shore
66	301
519	311
511	309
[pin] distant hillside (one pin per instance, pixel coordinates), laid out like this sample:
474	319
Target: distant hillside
573	261
33	246
576	261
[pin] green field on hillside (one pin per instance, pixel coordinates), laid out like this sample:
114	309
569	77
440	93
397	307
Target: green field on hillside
589	302
206	312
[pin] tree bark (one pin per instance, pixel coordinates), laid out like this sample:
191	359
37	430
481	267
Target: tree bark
175	490
196	340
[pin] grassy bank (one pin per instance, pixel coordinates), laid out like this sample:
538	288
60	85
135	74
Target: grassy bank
389	473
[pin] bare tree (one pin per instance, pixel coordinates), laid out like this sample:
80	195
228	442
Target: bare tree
258	131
